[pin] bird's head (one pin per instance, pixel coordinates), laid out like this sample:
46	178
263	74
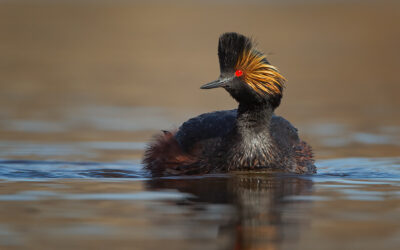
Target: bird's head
245	72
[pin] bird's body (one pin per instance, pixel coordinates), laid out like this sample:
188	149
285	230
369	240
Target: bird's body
248	138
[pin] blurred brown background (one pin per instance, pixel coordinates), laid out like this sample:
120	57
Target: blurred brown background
64	64
85	84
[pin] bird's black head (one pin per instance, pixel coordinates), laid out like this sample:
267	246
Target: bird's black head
245	72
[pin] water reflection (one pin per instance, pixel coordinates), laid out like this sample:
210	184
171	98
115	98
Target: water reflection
264	217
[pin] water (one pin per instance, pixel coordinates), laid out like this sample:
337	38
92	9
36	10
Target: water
49	204
85	85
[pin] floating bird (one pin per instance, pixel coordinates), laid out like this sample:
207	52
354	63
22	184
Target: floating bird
250	138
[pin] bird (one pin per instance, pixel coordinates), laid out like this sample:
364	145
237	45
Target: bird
249	138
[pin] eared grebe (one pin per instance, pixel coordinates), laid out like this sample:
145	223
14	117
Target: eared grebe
248	138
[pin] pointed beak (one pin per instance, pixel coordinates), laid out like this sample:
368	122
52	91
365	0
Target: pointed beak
215	84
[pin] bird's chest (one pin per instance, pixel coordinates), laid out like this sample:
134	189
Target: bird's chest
251	151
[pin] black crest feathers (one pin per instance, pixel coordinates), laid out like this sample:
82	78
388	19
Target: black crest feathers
230	47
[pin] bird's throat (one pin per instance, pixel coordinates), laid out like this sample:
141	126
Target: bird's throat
254	119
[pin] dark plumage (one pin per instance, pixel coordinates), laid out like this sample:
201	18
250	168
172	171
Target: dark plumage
247	138
230	48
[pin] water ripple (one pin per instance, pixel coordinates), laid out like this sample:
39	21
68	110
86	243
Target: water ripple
345	169
21	169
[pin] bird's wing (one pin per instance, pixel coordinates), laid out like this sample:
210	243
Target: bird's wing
284	133
204	127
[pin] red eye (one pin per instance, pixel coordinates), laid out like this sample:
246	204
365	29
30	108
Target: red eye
238	73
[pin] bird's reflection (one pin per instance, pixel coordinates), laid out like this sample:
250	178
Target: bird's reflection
267	211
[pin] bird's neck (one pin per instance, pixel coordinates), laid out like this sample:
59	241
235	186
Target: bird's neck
252	144
254	119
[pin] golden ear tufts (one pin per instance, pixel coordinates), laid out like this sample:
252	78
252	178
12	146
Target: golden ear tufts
258	74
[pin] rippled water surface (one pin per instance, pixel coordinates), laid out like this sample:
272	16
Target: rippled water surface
85	84
351	203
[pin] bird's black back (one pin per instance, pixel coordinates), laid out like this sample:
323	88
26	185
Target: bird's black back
218	124
205	126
